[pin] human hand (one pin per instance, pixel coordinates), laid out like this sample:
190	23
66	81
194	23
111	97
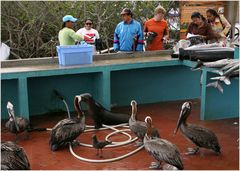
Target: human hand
204	37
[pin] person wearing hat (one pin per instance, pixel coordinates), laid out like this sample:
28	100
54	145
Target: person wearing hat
158	27
128	35
67	36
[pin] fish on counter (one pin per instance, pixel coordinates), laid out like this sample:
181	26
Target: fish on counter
226	68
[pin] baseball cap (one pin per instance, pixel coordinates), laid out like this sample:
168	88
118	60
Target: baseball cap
69	18
126	11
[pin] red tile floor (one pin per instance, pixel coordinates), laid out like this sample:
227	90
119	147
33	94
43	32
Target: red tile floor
164	117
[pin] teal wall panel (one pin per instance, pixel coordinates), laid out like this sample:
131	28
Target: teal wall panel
217	105
42	98
9	92
154	85
102	89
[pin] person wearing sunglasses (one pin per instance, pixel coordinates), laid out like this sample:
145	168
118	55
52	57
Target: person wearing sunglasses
67	36
90	34
128	35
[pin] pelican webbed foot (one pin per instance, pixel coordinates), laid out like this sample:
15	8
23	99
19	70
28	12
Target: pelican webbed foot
155	165
192	151
75	143
138	144
169	167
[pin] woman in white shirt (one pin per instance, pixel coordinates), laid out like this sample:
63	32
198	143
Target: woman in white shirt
90	34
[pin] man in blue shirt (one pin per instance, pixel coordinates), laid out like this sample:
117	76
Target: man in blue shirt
128	35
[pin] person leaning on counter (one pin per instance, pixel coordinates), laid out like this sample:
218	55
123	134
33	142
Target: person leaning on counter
67	36
200	26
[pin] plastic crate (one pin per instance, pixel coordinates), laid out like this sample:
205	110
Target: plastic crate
75	54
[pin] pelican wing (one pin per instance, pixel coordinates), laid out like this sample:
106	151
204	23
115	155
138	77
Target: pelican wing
163	150
66	130
139	128
23	123
202	137
13	157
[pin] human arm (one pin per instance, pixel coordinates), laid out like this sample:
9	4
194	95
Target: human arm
75	36
97	35
210	33
226	24
166	33
116	39
139	39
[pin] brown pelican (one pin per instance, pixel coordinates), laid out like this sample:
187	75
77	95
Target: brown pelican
16	124
67	130
200	136
139	128
161	149
13	157
101	115
99	145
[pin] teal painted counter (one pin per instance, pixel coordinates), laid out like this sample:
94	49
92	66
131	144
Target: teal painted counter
111	82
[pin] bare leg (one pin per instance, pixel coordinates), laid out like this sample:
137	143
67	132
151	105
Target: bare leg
192	151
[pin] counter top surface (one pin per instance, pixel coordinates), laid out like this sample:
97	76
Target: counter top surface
98	63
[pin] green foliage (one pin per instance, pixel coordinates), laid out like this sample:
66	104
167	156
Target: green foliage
31	28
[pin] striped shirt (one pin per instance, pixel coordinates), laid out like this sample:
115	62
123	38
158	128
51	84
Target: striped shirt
128	36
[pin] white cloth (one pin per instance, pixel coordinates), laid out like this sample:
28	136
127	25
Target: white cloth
4	51
89	33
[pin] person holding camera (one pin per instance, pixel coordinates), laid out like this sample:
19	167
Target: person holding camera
156	30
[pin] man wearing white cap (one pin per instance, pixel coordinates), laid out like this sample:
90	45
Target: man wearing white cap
67	36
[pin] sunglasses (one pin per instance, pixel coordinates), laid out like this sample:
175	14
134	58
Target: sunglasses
88	23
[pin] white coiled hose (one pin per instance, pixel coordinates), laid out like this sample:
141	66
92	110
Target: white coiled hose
114	144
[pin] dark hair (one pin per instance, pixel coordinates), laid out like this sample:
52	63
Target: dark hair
198	15
213	12
87	20
127	11
63	24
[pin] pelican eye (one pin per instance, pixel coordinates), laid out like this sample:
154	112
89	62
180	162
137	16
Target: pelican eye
148	118
186	105
79	97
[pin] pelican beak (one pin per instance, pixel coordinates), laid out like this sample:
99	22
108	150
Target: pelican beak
79	100
12	115
134	107
180	119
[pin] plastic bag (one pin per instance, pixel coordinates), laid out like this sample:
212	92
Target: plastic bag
4	51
